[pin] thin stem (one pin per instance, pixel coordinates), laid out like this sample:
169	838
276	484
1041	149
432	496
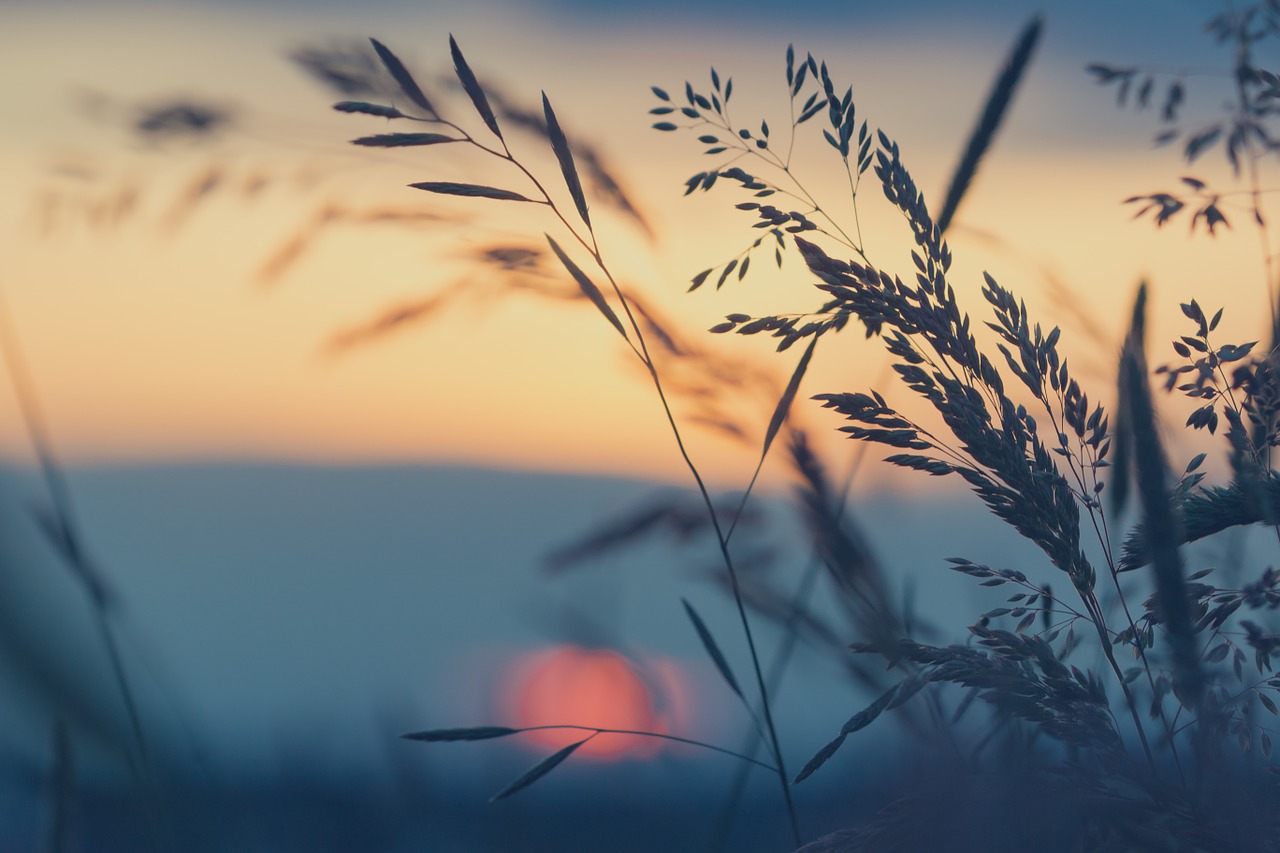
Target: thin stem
69	539
658	736
783	777
721	539
1099	523
790	637
791	142
800	193
640	347
1095	614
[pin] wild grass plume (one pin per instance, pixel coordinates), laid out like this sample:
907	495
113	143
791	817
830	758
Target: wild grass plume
1126	700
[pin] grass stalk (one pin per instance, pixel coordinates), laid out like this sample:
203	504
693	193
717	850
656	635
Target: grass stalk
68	542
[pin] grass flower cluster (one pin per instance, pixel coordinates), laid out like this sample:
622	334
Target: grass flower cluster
1130	700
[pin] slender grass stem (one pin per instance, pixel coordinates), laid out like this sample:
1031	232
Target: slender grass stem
641	349
657	736
1095	613
790	638
69	540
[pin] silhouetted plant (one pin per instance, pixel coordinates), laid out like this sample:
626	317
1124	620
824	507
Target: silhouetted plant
1146	770
631	328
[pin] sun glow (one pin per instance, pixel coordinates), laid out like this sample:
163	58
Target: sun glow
596	688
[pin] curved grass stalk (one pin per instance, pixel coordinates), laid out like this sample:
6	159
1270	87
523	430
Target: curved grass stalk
67	542
635	340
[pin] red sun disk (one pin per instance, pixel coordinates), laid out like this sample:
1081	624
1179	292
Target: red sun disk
599	688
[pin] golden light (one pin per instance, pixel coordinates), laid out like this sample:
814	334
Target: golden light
597	688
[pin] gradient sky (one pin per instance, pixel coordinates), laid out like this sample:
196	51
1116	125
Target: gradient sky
159	321
158	336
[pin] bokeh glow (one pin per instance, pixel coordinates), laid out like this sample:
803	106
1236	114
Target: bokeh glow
596	688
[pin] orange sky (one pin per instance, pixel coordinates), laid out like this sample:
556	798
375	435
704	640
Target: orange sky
156	336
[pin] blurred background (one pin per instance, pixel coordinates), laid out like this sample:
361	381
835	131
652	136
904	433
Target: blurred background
337	460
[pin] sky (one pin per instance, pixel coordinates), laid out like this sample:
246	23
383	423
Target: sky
181	327
186	302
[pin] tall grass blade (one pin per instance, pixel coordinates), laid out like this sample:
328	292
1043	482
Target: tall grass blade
400	140
709	643
62	529
679	516
1122	446
788	396
608	186
560	146
402	77
820	758
1161	525
65	542
891	698
588	287
473	190
1260	429
992	114
542	768
470	733
472	87
347	69
845	551
698	280
368	109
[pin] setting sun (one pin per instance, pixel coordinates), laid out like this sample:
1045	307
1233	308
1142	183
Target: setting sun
597	688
